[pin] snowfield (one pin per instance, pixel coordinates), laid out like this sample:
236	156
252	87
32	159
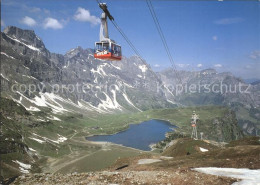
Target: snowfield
28	46
248	177
4	77
143	68
7	55
148	161
38	140
61	138
24	168
203	150
45	139
128	101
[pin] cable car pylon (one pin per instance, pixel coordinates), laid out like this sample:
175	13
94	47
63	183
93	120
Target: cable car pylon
194	118
106	48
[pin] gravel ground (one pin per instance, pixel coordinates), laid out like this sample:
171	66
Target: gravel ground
178	177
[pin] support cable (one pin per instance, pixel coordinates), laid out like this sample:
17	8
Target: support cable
159	29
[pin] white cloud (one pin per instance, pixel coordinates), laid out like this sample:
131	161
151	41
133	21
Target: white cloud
84	16
199	65
218	65
226	21
52	23
182	65
2	23
215	37
28	21
157	65
255	55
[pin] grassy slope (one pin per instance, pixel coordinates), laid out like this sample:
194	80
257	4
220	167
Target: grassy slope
178	116
243	153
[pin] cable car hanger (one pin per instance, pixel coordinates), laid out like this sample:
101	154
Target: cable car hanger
103	6
106	48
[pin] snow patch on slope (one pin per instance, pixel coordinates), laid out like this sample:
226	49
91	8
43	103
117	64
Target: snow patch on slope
31	108
45	139
109	103
4	77
38	140
28	46
99	70
61	138
128	101
148	161
29	76
42	101
49	100
7	55
203	150
24	168
249	177
143	68
115	66
31	149
53	118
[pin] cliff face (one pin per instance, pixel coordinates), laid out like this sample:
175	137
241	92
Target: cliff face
215	123
224	129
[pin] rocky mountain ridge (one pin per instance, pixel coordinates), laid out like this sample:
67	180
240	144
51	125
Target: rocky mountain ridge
74	79
208	87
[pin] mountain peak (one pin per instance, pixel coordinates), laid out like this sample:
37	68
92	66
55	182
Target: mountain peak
209	71
73	52
26	36
12	30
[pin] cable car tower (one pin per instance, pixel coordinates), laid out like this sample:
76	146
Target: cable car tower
106	48
194	119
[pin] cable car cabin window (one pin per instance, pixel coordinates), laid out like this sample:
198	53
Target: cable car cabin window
115	49
98	47
107	51
102	47
105	48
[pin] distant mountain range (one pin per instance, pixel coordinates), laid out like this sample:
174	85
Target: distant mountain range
208	87
252	81
78	83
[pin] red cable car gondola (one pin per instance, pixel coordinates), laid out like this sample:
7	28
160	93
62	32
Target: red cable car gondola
106	49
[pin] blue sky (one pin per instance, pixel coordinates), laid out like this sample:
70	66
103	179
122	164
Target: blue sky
201	34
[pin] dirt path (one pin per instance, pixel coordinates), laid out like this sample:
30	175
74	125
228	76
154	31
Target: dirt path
63	165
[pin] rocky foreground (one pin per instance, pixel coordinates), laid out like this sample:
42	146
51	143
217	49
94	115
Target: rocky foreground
178	177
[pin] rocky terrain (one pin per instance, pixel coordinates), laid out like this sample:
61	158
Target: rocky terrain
177	177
